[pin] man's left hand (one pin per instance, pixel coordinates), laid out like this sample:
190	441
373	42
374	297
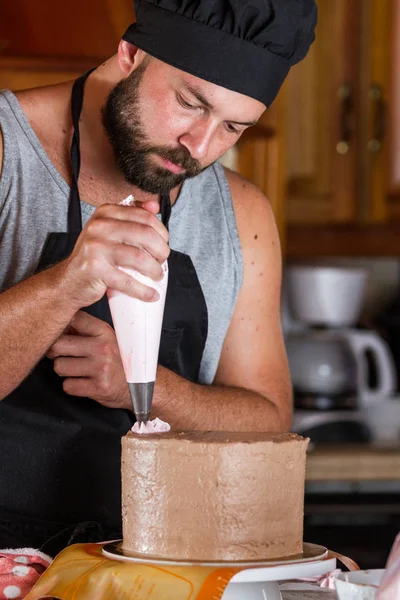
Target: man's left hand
88	357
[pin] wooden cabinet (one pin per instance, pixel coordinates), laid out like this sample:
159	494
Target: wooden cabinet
380	133
80	29
46	42
321	147
343	134
21	73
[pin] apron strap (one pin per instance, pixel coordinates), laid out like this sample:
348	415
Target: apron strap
74	209
165	209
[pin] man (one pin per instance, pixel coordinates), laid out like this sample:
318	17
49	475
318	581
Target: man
188	78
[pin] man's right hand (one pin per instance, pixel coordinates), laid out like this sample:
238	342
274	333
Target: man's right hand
126	236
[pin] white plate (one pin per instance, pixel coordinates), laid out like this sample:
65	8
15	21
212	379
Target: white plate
311	552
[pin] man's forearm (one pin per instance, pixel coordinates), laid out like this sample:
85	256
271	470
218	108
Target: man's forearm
189	406
32	315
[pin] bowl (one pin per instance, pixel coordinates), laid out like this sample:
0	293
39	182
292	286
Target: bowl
358	585
331	296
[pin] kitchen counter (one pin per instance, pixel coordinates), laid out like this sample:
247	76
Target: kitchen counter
320	594
358	462
352	500
305	591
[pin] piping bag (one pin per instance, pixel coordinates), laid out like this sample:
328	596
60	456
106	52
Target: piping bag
137	326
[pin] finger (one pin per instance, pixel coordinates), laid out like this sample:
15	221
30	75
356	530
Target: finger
86	324
79	386
72	345
139	260
133	235
66	366
122	282
134	214
152	206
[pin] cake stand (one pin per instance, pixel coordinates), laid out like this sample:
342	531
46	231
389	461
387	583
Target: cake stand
257	581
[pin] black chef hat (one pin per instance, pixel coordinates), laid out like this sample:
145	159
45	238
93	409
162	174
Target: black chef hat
244	45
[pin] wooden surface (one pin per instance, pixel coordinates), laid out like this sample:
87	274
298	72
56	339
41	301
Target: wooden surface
353	463
322	181
344	194
74	29
309	241
321	594
379	166
22	73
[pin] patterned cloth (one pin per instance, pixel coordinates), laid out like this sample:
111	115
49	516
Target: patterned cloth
19	570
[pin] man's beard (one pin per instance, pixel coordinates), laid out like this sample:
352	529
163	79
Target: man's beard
133	153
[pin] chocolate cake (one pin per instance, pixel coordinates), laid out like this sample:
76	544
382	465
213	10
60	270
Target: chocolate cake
213	496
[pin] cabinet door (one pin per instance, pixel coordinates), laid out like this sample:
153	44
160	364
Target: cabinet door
88	29
321	144
260	158
22	73
379	167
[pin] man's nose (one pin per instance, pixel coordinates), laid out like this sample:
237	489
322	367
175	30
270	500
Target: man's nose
198	139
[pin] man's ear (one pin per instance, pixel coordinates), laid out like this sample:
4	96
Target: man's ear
127	57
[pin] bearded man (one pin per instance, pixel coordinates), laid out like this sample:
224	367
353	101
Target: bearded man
152	121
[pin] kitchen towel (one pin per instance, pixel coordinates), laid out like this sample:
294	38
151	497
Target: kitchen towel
81	571
19	571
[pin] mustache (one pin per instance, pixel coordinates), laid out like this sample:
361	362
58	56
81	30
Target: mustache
178	156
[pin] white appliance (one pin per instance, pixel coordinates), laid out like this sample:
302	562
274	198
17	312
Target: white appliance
336	369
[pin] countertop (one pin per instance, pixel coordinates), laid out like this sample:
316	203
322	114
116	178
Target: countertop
304	592
358	462
306	595
320	594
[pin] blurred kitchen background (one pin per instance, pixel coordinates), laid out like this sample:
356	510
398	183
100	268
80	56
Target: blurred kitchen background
327	155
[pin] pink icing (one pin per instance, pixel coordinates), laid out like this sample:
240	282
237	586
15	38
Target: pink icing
137	324
154	426
129	201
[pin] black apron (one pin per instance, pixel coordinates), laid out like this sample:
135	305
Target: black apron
60	455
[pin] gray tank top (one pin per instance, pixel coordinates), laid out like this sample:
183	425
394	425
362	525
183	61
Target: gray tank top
34	202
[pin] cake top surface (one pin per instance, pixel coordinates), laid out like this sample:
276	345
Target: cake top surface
218	437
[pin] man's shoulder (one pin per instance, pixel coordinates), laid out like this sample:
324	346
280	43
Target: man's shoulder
14	127
7	103
249	203
46	109
39	103
258	232
1	152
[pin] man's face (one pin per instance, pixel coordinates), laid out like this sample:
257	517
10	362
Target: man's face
166	126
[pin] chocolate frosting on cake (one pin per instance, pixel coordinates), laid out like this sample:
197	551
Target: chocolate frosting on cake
213	495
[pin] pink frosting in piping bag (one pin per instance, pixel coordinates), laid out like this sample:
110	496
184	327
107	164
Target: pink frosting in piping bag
137	326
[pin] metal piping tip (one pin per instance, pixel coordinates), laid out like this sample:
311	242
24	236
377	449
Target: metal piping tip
142	399
142	418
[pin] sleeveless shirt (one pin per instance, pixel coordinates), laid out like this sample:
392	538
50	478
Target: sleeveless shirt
34	202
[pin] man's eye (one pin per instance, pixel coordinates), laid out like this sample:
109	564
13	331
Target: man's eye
231	128
185	104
